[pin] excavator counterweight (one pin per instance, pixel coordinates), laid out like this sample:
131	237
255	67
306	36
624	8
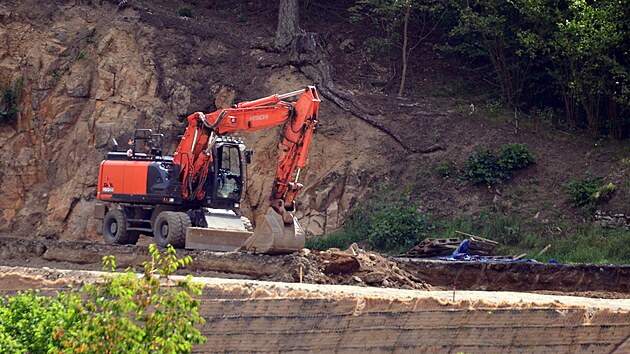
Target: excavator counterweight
193	198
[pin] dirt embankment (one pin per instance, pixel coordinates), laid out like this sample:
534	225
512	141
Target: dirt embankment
247	316
351	267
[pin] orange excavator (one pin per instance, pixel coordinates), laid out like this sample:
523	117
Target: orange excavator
193	199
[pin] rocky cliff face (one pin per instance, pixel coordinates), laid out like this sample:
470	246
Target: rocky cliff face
96	71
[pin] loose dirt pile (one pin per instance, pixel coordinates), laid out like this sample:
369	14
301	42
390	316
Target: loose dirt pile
357	267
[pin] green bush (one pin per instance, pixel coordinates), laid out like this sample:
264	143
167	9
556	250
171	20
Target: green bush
589	192
485	167
397	228
513	157
183	11
482	167
29	321
123	314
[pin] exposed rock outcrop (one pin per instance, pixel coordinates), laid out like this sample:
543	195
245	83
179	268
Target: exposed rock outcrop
97	71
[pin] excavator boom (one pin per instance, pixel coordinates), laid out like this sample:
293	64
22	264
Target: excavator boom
277	231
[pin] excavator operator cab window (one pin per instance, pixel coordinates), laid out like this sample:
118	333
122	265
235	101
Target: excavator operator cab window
229	179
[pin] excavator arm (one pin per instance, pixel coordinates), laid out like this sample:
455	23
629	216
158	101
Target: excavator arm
299	118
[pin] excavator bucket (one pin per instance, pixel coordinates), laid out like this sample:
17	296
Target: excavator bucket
273	236
228	232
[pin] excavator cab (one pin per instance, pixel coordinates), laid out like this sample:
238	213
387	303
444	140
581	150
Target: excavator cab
224	186
229	176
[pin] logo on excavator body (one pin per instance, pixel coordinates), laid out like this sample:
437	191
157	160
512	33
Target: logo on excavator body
260	117
108	188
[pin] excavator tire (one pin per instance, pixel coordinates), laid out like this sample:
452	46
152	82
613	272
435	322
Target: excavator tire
115	228
170	228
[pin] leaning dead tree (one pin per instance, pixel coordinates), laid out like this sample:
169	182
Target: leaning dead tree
307	51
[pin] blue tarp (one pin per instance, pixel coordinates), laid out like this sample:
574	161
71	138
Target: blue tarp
461	254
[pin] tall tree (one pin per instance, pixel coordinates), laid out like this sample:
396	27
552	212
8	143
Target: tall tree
288	23
406	24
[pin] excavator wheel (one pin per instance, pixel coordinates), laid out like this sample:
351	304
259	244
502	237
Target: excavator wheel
115	228
170	228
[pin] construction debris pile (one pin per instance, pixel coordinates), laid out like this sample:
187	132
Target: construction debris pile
356	266
432	247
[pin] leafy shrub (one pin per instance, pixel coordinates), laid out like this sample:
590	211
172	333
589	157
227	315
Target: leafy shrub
482	167
184	11
123	314
513	157
589	192
397	228
485	167
29	321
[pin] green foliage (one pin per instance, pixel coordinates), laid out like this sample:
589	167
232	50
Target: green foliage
513	157
570	243
82	55
581	46
29	322
589	192
124	314
9	102
388	222
184	11
482	167
446	169
485	167
397	228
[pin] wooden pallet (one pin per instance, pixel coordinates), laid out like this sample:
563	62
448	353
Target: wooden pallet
431	247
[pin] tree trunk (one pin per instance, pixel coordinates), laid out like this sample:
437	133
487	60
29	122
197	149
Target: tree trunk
288	23
405	55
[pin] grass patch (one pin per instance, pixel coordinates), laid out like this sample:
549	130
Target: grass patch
394	229
576	244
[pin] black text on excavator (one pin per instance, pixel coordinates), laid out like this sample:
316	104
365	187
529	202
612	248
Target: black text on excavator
193	198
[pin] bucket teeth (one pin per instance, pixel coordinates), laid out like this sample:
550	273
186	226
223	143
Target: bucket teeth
273	236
